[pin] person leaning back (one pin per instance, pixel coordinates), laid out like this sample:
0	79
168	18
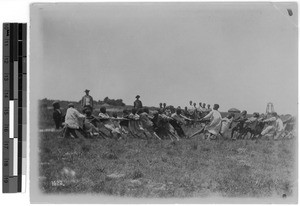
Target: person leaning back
72	122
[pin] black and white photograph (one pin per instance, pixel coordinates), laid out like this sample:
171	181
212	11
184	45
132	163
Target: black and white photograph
164	102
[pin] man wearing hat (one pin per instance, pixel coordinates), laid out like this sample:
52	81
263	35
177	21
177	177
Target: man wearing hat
137	103
87	100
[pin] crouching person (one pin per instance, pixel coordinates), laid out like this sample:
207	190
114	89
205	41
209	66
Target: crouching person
279	128
226	124
177	120
116	122
147	123
134	125
90	124
275	127
72	122
108	124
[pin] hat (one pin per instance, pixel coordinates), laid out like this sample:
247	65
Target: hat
86	90
137	96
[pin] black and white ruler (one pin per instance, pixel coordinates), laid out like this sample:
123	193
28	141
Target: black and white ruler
14	106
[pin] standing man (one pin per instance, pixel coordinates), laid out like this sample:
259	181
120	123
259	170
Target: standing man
200	110
137	103
164	106
191	109
240	123
204	110
160	105
204	107
208	108
87	100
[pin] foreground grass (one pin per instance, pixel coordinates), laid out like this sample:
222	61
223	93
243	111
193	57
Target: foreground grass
152	168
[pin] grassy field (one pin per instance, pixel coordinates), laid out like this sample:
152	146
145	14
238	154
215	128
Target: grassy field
152	168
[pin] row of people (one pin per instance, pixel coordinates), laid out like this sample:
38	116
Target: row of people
257	125
167	122
270	125
138	123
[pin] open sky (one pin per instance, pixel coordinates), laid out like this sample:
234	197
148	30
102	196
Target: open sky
240	55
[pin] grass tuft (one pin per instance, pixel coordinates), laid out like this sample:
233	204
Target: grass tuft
137	174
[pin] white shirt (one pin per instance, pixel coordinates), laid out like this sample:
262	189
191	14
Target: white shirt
225	124
215	122
72	118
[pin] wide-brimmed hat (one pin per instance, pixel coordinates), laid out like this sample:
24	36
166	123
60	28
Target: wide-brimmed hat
86	90
137	96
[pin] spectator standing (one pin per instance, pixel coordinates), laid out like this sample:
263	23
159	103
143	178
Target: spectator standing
87	100
137	103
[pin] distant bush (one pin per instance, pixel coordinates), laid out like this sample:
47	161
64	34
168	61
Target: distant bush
113	102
